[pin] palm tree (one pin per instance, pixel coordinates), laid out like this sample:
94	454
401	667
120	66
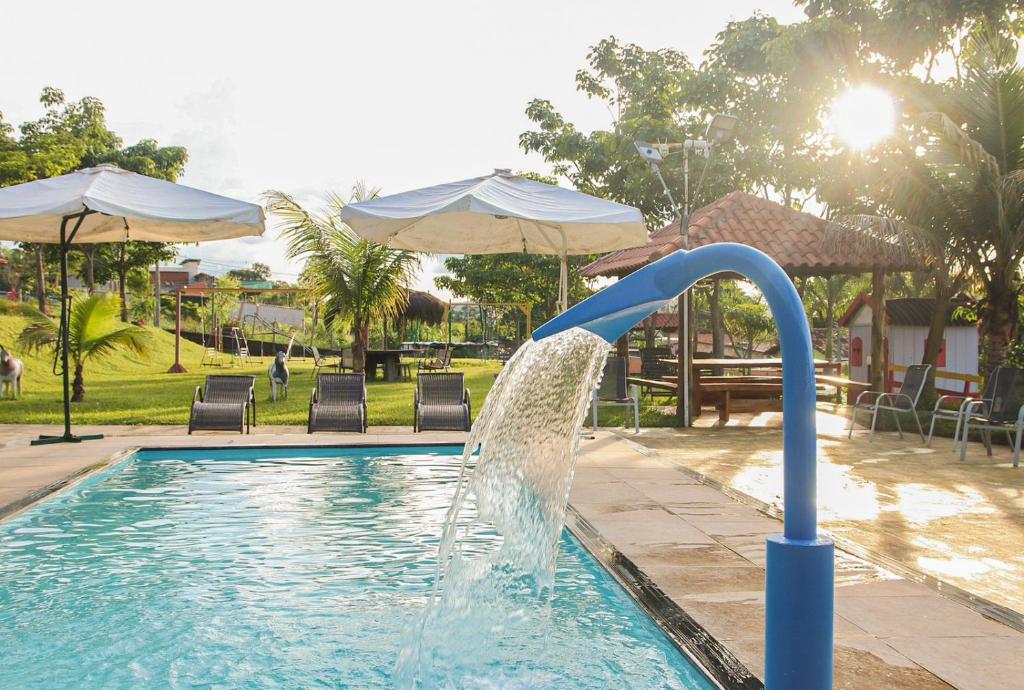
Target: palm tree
355	280
951	193
980	144
94	331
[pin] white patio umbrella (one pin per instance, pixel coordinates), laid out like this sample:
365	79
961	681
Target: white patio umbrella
108	204
499	214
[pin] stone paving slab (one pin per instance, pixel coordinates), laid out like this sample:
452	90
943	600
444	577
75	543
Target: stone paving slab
706	550
960	523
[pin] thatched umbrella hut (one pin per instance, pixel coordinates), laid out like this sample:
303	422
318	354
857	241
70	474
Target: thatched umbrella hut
423	308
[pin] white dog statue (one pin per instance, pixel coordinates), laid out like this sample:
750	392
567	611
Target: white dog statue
278	373
11	371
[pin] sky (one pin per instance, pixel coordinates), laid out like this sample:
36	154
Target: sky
311	97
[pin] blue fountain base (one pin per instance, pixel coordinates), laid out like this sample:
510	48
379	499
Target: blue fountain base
799	605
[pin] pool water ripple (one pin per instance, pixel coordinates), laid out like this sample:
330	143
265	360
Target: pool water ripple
266	571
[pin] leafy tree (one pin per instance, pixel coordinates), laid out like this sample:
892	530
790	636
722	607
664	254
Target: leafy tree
825	298
118	261
69	136
93	333
256	272
528	278
356	281
952	190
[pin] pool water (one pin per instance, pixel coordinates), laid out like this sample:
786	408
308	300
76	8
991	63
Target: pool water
281	569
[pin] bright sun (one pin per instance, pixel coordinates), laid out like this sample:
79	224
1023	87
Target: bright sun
862	116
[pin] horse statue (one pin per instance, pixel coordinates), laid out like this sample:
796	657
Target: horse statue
278	374
11	372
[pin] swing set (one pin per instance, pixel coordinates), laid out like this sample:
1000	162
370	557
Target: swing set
213	337
525	307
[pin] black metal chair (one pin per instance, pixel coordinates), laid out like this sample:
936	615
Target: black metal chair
959	413
338	403
614	390
225	403
1004	412
441	403
903	402
653	367
321	362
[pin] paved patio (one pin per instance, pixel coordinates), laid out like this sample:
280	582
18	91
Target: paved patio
903	504
700	546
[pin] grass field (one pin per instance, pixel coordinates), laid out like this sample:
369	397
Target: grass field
131	389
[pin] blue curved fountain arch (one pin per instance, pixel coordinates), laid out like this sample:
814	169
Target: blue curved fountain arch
799	571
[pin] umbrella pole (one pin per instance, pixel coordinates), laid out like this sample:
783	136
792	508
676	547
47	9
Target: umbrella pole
65	320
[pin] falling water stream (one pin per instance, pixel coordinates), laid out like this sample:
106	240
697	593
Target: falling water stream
527	438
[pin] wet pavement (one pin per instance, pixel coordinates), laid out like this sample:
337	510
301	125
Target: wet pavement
706	551
961	523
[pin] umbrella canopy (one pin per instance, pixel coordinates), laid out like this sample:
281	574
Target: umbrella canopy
120	205
108	204
498	214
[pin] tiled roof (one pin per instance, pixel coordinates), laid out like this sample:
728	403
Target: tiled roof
796	240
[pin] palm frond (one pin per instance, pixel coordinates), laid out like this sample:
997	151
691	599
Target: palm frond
40	333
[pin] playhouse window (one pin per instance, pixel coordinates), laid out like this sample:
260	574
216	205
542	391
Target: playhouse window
857	353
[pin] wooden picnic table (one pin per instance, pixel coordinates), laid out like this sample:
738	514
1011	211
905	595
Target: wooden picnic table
392	361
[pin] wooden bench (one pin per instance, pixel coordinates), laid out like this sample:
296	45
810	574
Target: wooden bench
724	392
659	384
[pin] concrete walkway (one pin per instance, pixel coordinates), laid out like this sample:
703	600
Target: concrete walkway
706	551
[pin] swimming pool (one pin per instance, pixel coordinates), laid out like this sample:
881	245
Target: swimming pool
280	568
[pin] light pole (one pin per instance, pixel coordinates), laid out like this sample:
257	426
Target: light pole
719	130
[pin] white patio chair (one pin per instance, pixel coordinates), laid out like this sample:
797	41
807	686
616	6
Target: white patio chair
903	402
613	391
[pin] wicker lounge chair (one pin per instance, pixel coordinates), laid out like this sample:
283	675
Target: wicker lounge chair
442	403
224	403
338	403
441	362
943	409
614	391
1005	412
903	402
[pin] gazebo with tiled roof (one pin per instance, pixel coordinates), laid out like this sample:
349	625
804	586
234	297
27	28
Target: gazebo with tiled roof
795	239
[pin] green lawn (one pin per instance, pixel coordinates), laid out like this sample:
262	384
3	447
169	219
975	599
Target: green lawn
128	389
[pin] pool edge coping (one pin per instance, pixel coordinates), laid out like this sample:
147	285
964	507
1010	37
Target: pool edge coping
710	656
11	510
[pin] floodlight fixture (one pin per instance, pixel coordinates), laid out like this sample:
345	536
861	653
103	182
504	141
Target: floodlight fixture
721	128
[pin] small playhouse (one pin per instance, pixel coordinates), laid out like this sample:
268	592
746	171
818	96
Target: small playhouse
906	334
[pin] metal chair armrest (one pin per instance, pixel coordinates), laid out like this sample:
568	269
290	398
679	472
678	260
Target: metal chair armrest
866	393
943	398
312	397
198	395
1020	416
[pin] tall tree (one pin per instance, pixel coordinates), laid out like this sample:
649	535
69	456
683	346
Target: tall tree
357	281
68	136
